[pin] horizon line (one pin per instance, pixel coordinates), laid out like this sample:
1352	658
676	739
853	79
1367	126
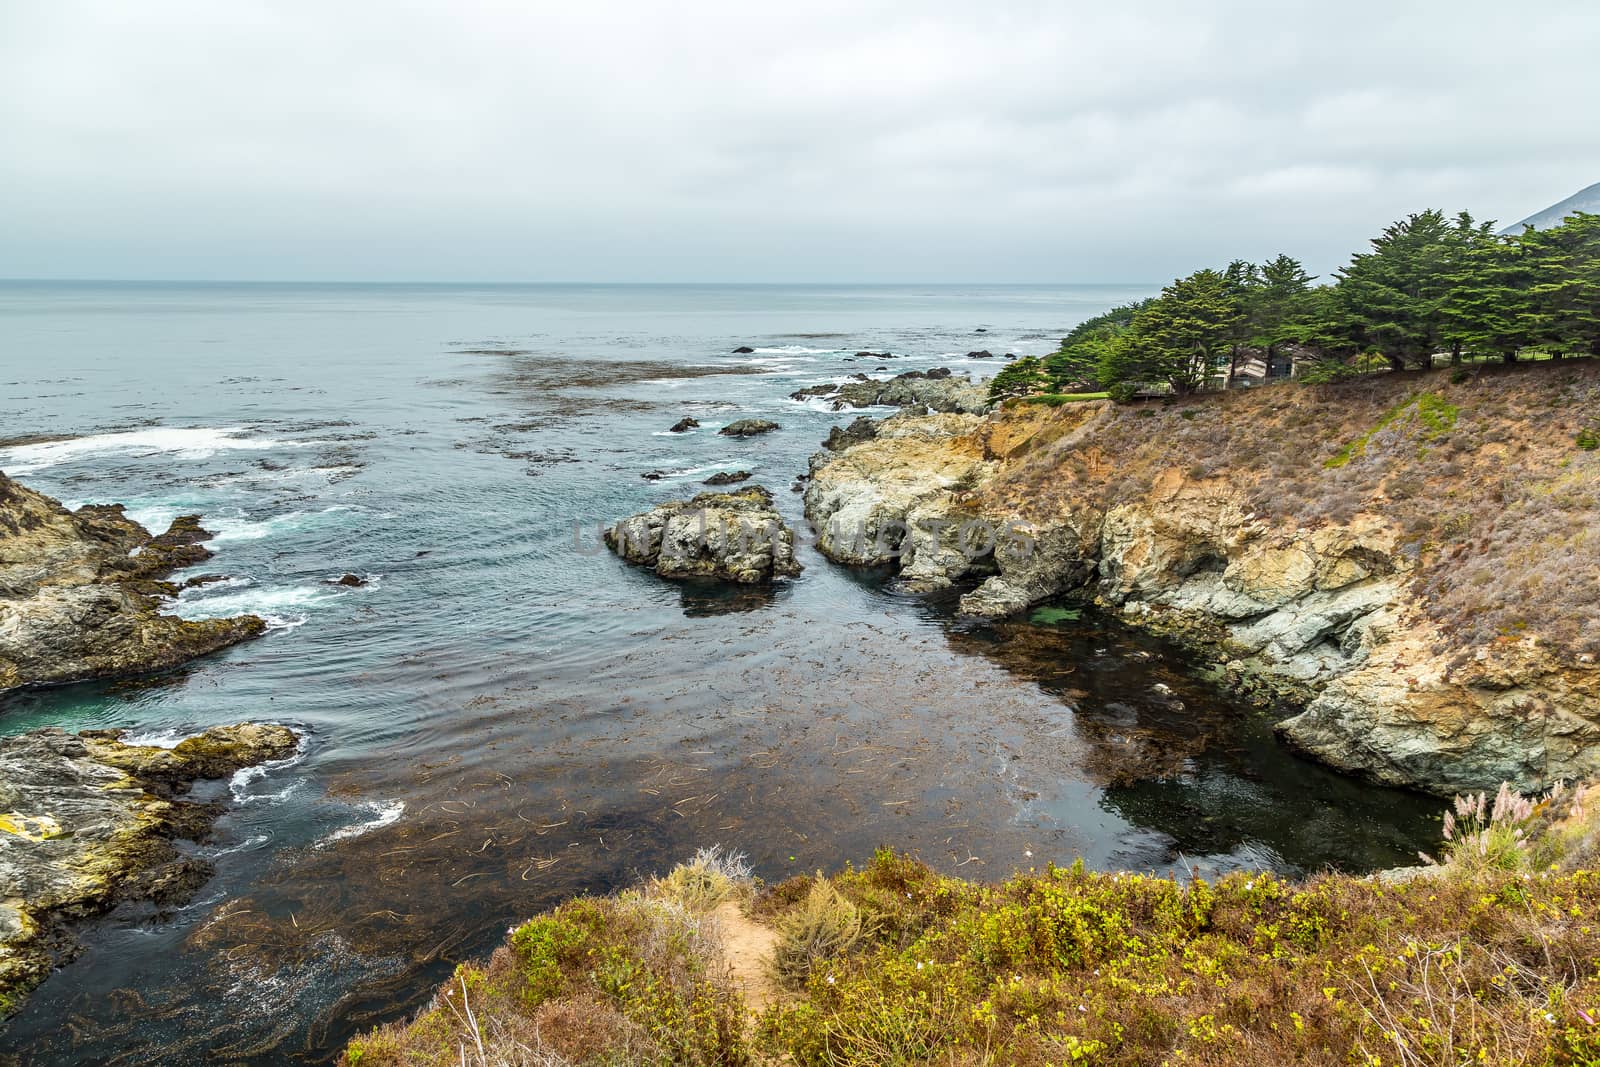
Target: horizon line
423	281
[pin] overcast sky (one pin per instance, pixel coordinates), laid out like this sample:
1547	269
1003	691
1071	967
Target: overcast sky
921	140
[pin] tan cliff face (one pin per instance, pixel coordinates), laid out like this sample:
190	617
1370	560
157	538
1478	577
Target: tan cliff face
1334	575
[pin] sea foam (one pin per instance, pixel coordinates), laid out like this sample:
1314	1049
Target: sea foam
193	443
383	813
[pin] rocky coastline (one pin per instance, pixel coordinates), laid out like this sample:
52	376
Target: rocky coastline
88	821
81	593
936	390
1328	618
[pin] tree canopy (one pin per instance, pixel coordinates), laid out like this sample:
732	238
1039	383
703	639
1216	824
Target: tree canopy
1429	284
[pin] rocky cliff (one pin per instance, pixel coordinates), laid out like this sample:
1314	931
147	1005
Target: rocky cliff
81	591
1408	563
87	822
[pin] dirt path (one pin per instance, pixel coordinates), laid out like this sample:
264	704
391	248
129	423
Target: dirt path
749	947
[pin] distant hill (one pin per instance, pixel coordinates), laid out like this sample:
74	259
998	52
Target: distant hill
1587	200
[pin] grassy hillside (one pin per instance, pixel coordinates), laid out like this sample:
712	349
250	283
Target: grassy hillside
1491	958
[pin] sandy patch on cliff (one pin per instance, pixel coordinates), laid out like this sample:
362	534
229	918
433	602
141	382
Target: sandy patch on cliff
748	947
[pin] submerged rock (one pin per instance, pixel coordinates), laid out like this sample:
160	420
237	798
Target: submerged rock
736	537
726	478
88	821
743	350
748	428
81	591
350	581
685	424
917	391
984	354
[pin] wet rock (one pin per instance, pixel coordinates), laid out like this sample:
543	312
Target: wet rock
684	425
875	355
204	579
88	821
743	350
984	354
748	428
862	429
350	581
653	476
726	478
81	593
917	391
737	537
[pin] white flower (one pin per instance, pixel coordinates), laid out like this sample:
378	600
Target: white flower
1082	1008
830	979
1028	852
919	965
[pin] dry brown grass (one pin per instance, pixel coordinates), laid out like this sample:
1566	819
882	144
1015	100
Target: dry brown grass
1485	476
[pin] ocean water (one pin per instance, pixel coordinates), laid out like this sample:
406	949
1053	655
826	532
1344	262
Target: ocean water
506	714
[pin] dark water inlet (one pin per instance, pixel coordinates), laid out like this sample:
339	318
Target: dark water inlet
497	720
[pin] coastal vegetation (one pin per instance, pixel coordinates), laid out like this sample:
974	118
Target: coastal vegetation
1429	286
1489	956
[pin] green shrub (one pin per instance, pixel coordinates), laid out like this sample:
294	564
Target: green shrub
824	926
1055	400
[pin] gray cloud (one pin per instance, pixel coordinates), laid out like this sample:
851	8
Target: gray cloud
921	141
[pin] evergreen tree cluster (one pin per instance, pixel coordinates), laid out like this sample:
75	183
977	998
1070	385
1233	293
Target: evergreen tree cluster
1430	284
